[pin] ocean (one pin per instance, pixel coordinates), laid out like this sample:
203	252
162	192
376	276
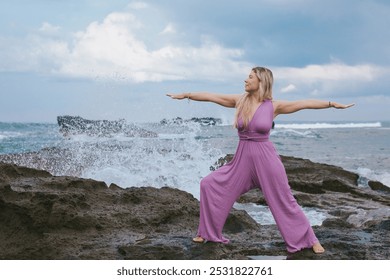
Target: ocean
183	152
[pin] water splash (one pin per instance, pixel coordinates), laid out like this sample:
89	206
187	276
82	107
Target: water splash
262	215
178	157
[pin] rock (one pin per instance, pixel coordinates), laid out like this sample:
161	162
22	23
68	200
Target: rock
75	125
61	217
378	186
49	217
206	121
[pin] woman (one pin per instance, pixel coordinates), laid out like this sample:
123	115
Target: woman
255	164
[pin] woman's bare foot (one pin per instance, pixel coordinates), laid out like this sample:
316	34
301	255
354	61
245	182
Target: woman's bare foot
318	249
199	239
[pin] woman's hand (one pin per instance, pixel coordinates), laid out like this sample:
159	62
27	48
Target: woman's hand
178	96
340	106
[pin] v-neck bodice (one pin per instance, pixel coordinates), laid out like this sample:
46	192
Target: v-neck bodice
259	126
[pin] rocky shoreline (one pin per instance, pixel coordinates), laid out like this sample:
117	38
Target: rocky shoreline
61	217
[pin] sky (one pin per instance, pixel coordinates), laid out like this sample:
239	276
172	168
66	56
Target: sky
113	59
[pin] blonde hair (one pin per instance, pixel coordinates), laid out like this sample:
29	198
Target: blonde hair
245	103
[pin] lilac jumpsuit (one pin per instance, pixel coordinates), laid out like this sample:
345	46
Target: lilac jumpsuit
255	164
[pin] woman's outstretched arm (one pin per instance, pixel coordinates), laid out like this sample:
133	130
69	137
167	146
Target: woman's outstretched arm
227	100
288	107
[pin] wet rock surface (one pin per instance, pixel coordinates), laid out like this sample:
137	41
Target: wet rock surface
61	217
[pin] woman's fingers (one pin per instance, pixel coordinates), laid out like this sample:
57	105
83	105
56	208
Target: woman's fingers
342	106
176	96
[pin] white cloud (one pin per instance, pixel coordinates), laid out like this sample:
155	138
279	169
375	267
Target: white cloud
329	79
137	5
333	79
49	29
112	50
169	29
288	88
331	72
123	47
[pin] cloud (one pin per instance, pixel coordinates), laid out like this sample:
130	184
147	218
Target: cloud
331	72
140	45
112	49
169	29
288	88
137	5
328	79
49	29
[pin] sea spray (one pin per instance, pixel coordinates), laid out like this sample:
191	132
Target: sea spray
178	157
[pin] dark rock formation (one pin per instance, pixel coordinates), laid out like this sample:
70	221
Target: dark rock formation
74	125
206	121
48	217
375	185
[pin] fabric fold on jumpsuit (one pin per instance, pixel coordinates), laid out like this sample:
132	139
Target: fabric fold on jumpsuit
256	163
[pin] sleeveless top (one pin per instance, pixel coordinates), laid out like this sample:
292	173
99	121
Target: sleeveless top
260	125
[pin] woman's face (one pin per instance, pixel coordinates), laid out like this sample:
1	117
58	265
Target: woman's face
252	83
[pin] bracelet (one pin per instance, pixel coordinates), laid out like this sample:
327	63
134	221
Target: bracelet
330	104
188	97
